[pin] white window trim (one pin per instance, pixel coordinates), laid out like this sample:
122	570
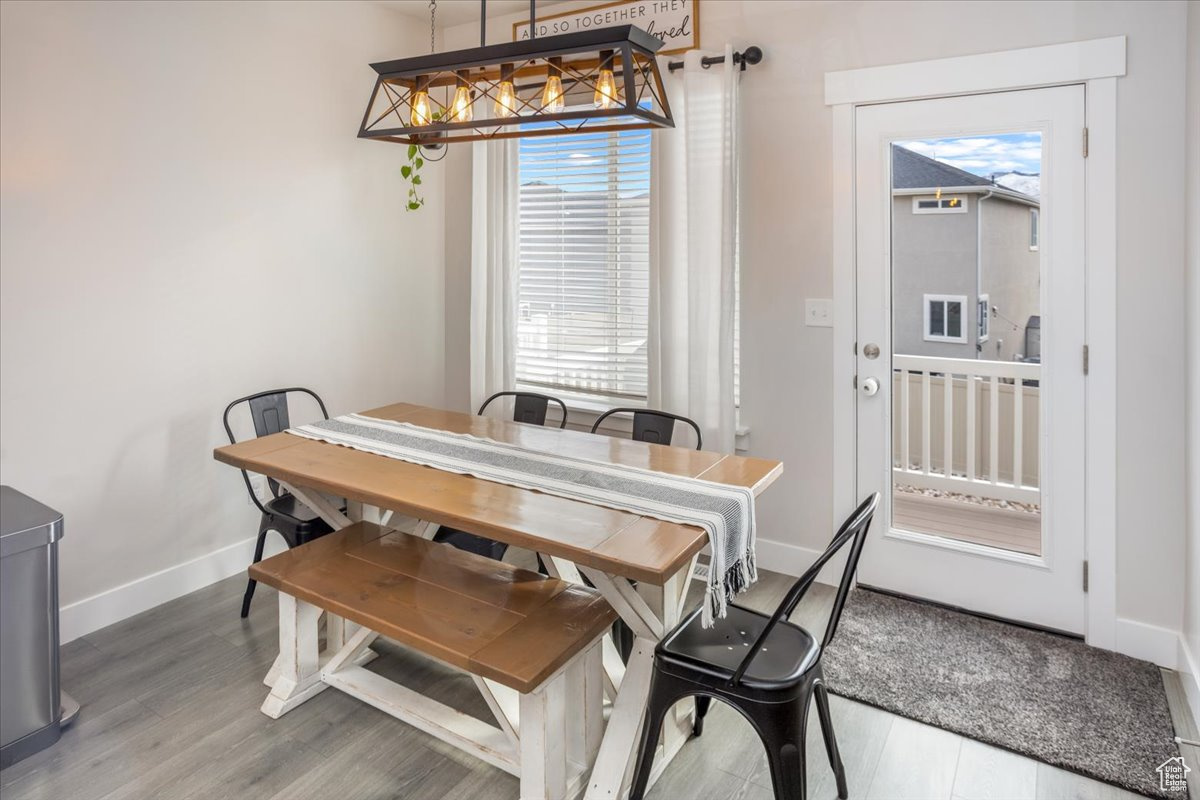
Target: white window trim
1026	68
962	209
984	330
1035	214
961	299
1097	63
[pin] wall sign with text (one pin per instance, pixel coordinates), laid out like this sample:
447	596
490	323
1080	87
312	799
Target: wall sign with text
676	22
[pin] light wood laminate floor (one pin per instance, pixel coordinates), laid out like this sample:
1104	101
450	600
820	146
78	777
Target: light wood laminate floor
170	711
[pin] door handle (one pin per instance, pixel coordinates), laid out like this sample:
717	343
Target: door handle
870	387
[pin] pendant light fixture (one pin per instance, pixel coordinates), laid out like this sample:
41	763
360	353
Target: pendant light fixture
605	79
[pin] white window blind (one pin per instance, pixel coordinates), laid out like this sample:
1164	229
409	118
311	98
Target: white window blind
583	274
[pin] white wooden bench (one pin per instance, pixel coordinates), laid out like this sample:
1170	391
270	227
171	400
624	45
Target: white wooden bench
531	643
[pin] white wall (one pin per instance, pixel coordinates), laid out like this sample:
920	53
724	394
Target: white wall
787	379
1190	658
188	217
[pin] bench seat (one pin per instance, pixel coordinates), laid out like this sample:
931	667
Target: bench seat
489	618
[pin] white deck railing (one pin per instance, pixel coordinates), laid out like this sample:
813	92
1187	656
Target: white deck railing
966	426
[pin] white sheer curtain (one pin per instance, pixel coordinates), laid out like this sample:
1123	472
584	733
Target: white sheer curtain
693	250
494	236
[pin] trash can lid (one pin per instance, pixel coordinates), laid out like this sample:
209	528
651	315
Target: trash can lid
25	523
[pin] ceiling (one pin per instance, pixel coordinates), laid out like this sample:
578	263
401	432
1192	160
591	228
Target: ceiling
456	12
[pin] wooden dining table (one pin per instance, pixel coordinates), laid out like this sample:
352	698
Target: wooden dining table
640	565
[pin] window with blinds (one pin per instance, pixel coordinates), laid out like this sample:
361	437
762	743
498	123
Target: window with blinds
583	267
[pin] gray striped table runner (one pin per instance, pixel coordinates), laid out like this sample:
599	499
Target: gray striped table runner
725	513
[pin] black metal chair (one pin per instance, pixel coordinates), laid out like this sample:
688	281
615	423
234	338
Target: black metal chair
283	513
528	407
653	426
765	667
657	427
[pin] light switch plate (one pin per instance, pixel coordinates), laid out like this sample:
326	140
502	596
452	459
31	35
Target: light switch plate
818	313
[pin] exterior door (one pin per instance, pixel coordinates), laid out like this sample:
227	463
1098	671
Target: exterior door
970	351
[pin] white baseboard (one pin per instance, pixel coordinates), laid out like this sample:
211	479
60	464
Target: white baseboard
93	613
1148	642
792	559
1189	674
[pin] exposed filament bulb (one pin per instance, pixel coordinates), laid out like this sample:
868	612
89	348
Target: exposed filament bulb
419	102
606	83
553	99
460	107
506	95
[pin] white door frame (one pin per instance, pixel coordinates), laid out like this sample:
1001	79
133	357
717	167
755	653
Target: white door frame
1097	64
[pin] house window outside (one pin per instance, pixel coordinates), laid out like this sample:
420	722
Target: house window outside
983	310
944	318
948	204
583	265
1034	222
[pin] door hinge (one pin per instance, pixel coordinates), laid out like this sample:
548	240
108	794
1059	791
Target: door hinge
1085	576
856	383
1085	142
1087	358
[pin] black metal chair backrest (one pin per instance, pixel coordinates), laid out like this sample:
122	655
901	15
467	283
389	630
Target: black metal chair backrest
530	407
269	411
853	530
657	427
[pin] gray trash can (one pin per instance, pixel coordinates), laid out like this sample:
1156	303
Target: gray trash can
31	704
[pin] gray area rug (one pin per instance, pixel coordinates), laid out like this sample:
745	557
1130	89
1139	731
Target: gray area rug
1049	697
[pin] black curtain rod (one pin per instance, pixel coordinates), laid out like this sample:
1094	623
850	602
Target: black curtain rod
751	55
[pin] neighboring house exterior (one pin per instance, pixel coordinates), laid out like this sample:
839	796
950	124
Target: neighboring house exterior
561	310
961	246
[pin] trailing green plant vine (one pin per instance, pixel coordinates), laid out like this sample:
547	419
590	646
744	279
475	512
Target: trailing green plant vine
412	173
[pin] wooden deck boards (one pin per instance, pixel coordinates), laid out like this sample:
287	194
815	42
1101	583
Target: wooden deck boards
1016	531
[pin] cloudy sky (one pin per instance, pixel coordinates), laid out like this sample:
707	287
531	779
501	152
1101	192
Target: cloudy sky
985	155
580	162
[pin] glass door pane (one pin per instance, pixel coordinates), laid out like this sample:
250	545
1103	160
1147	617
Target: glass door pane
966	339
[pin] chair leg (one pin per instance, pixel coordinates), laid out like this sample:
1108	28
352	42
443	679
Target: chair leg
662	697
782	732
703	701
831	748
786	759
258	553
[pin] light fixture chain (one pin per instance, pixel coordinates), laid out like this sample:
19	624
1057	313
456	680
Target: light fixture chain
432	22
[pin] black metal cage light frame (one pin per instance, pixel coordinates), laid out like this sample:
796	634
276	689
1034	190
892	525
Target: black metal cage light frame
608	79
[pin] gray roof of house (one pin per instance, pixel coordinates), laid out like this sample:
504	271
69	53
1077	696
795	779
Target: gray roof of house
914	171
